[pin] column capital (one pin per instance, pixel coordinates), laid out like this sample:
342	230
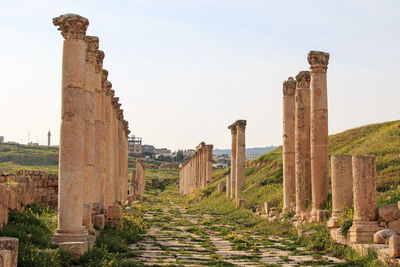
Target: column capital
289	87
109	91
318	61
303	79
240	124
114	101
92	46
209	147
233	129
72	26
99	61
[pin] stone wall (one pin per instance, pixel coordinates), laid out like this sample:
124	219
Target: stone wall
25	187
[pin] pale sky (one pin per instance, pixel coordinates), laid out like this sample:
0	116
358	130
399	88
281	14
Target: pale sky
185	70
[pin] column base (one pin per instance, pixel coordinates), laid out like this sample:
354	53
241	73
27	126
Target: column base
333	223
363	231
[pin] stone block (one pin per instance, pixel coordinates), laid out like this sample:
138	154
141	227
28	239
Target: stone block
115	223
363	231
114	212
394	246
98	221
86	219
389	213
9	251
96	207
394	226
77	249
381	236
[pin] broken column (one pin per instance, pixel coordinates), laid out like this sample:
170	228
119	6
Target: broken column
72	157
342	187
289	89
364	195
302	142
233	160
319	130
240	155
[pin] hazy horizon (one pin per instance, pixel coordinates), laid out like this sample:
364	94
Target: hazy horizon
185	70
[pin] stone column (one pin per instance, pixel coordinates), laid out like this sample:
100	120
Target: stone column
289	110
71	156
342	187
115	147
364	193
302	142
92	45
109	182
240	155
319	130
99	168
233	161
228	186
209	158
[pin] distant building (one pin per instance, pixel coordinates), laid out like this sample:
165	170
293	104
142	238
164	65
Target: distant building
221	161
250	156
48	138
148	149
162	151
135	146
1	139
188	153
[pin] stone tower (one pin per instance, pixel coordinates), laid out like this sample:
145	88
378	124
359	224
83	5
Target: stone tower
48	138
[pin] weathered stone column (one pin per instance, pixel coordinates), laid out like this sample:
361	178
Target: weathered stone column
92	45
302	142
342	187
99	162
233	161
126	159
289	110
109	181
228	186
209	158
364	193
319	130
240	155
114	148
72	156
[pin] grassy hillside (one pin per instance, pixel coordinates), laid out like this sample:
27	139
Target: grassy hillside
264	174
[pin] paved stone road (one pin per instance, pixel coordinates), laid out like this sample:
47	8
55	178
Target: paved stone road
176	238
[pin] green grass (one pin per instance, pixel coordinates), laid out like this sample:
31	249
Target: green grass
28	155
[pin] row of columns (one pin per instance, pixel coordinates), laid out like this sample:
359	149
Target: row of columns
305	137
93	158
354	182
235	181
137	186
197	171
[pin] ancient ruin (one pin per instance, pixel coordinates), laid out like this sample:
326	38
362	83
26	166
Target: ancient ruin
289	89
93	155
318	130
238	157
302	142
197	171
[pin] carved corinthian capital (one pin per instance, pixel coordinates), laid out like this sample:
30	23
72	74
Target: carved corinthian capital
233	129
72	26
99	60
92	46
289	87
318	61
241	123
303	79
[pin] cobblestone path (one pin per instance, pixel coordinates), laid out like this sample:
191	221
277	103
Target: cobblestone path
176	238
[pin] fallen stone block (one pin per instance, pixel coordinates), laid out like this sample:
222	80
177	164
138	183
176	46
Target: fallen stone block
395	226
114	212
389	213
381	236
394	246
98	221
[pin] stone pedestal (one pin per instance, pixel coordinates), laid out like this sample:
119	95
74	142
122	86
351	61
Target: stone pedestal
240	156
233	161
8	251
342	187
302	142
289	89
364	193
71	156
319	130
